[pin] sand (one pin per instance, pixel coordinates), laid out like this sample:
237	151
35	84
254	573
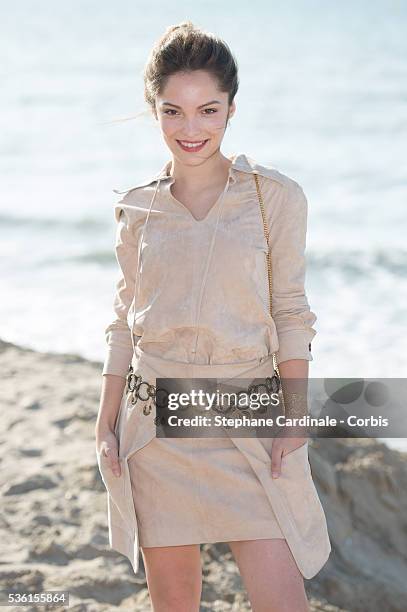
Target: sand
53	517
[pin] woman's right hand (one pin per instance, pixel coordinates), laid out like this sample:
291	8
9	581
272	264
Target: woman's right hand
106	444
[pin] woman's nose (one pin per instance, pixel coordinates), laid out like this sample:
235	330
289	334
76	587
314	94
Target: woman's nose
192	129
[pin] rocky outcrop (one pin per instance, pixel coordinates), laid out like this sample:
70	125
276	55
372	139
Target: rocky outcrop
362	485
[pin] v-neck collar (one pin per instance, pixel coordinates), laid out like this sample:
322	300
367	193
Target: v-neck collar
211	211
166	180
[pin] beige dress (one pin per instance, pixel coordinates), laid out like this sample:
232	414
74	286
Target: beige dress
201	310
197	490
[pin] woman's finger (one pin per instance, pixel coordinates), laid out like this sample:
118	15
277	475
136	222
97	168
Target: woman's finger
276	454
113	460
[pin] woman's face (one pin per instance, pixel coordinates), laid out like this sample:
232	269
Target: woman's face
190	110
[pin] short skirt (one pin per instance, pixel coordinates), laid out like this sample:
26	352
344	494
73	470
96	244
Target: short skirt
196	491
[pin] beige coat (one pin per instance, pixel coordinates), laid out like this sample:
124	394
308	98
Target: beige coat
202	310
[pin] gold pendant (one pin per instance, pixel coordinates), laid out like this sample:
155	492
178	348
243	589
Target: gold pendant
146	409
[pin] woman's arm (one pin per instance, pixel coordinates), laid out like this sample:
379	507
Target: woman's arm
290	309
117	333
119	343
291	313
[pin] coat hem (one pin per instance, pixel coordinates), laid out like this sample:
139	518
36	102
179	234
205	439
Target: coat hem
124	542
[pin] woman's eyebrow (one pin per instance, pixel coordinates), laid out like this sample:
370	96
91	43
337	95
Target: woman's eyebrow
201	106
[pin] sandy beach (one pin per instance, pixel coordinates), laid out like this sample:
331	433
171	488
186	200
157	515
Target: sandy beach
54	526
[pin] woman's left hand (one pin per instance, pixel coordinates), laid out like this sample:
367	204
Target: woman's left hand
281	447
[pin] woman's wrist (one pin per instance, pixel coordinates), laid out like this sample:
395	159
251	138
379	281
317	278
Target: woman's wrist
104	426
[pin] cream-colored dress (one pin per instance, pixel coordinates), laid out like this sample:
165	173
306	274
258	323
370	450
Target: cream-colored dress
201	310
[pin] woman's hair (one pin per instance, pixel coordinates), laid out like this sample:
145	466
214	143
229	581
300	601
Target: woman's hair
184	48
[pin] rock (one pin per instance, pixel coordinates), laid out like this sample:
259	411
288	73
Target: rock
36	481
363	488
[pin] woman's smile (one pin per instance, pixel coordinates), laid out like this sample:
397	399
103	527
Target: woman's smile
192	147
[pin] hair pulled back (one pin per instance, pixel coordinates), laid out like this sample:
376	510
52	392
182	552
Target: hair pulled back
184	48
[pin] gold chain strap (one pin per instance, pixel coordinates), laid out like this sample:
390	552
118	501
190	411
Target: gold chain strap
269	273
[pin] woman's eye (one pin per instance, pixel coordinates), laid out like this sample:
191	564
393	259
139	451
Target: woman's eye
170	111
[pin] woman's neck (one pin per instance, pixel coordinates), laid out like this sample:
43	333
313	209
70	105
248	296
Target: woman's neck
194	177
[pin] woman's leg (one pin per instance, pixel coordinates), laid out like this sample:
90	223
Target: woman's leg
270	575
174	577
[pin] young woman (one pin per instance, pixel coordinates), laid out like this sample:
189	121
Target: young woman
192	301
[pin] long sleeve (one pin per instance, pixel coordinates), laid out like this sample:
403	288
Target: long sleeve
118	333
290	309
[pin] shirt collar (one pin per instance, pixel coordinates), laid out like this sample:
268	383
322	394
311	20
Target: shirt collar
240	163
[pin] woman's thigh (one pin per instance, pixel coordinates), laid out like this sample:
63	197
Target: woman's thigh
174	577
270	575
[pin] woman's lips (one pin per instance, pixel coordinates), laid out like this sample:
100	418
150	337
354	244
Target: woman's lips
192	149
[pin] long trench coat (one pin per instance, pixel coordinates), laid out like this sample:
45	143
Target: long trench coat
293	495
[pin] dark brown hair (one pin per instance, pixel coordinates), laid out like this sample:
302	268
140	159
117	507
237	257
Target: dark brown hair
183	48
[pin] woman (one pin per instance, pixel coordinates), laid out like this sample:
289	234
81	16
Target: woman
192	302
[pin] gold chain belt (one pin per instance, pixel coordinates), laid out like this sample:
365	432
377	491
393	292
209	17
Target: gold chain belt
140	389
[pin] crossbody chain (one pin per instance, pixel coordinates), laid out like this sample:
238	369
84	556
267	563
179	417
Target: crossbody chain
147	392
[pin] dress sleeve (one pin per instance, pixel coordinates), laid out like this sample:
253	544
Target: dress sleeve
118	333
290	309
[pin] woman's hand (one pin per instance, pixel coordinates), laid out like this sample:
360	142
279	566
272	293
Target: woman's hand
106	444
281	447
294	380
106	441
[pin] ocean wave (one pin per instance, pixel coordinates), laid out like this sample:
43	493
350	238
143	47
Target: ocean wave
359	261
88	223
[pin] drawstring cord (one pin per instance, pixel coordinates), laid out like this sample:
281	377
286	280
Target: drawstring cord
208	261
